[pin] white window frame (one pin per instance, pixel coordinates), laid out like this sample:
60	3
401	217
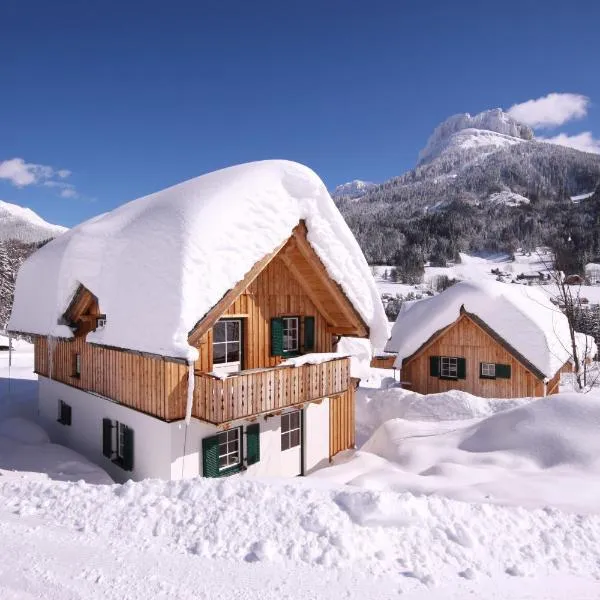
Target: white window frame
226	343
100	323
449	366
291	324
227	439
488	370
287	430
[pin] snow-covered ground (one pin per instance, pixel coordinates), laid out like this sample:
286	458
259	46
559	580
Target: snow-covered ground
318	538
479	268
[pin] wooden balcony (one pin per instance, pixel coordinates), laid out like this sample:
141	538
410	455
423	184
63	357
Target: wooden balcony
267	390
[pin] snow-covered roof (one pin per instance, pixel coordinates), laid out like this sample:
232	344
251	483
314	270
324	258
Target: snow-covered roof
523	316
160	263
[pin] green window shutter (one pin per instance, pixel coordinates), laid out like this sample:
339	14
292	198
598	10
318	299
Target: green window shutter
461	368
277	337
252	444
309	334
210	456
503	371
434	366
66	409
107	428
128	449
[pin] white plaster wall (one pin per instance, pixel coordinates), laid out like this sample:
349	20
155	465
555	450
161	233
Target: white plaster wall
152	437
316	436
188	463
273	462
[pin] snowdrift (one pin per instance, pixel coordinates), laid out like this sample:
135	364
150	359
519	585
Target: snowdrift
160	263
544	452
25	447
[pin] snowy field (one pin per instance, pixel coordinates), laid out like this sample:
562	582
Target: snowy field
320	538
479	268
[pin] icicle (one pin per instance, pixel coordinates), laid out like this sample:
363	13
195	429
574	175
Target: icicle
190	393
51	347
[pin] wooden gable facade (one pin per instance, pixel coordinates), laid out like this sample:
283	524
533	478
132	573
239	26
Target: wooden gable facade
476	348
291	282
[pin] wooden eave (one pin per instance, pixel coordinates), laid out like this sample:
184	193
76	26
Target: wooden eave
486	329
306	267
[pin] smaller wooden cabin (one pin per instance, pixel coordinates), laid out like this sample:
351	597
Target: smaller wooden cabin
492	340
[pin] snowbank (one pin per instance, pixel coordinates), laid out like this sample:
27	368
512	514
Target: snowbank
426	540
523	316
158	264
25	447
544	452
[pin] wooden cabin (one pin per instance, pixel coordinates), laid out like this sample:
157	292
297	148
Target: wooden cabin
267	394
491	340
469	356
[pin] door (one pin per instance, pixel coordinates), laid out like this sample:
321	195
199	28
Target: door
227	346
291	443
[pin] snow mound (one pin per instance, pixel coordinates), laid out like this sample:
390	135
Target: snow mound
168	254
544	452
425	539
25	447
523	316
481	129
376	406
23	431
19	223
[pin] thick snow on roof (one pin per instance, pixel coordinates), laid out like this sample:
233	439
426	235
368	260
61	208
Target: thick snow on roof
523	316
160	263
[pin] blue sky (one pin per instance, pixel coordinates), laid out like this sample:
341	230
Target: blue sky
119	99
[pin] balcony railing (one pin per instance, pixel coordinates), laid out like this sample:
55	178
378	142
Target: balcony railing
264	390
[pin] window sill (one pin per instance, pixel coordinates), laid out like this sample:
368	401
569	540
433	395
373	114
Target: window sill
231	470
447	378
487	377
63	422
75	376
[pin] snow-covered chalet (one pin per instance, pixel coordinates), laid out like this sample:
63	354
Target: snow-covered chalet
194	331
494	340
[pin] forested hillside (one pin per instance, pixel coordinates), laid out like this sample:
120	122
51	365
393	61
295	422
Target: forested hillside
477	190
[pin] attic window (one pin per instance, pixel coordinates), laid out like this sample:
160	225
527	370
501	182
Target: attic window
100	322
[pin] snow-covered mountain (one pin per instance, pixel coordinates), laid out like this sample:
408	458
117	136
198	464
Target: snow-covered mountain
485	132
353	189
24	225
471	168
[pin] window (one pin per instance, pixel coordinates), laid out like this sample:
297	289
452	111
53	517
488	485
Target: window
290	430
117	443
449	366
488	370
229	449
494	371
100	322
64	413
290	334
227	342
77	365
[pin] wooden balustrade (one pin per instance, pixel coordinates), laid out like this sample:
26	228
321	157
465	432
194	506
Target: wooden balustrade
263	390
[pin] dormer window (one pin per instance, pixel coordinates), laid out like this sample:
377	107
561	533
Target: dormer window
100	322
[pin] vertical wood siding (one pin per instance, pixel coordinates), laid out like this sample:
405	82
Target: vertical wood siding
274	293
158	386
342	426
466	339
